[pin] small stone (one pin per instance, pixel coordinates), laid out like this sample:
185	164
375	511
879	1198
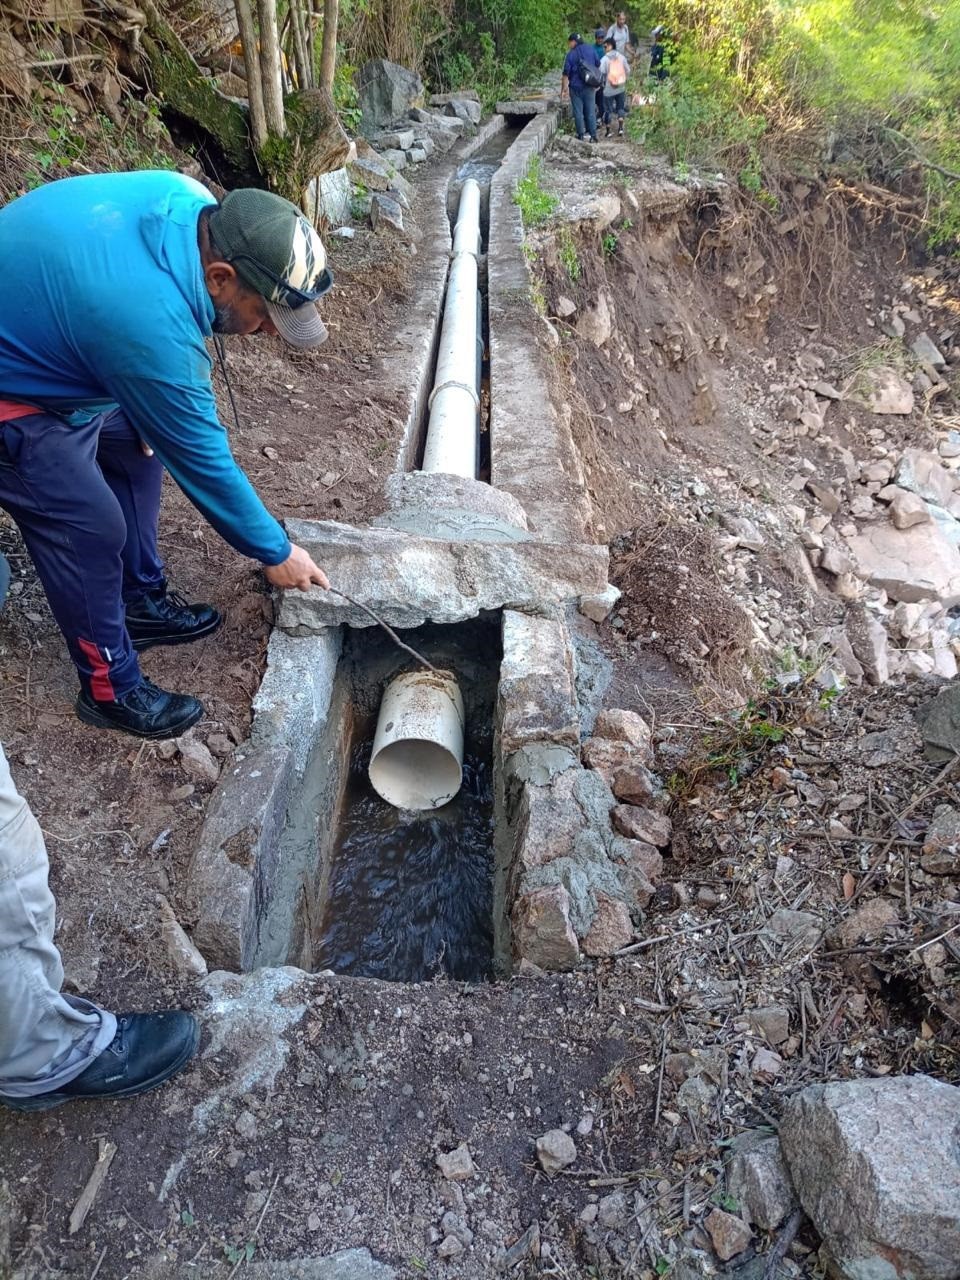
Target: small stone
923	473
772	1022
924	348
794	930
220	745
942	842
182	793
555	1151
758	1180
633	784
642	824
908	509
566	307
183	955
611	928
729	1235
167	748
624	726
196	759
246	1125
867	924
457	1165
271	453
450	1247
868	640
542	932
613	1211
599	607
826	496
453	1224
766	1063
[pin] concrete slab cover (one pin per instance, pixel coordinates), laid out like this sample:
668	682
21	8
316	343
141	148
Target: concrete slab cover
409	580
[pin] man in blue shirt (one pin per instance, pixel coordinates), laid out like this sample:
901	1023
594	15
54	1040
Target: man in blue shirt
580	64
111	283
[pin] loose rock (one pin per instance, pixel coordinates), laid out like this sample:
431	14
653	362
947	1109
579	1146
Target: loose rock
457	1165
876	1169
555	1151
758	1180
730	1235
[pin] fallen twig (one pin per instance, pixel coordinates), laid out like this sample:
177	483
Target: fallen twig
89	1193
878	860
380	623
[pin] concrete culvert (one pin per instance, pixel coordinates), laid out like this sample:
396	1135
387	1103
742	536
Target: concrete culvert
417	756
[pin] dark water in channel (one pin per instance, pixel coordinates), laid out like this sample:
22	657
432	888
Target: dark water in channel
410	895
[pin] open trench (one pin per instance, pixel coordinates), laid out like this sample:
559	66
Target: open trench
362	886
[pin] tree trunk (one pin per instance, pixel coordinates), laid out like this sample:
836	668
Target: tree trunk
328	52
304	69
315	143
180	84
248	38
270	67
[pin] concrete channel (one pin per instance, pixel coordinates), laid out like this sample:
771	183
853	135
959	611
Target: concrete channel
299	861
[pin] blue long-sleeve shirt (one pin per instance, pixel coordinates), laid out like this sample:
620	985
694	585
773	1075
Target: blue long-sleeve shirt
103	302
581	53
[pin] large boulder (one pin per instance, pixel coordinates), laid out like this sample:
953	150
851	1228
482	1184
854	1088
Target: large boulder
912	564
387	92
876	1164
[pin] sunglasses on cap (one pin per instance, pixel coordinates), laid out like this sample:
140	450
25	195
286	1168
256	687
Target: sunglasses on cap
288	295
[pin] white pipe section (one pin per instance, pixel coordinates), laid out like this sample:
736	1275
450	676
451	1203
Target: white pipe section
452	433
466	234
417	756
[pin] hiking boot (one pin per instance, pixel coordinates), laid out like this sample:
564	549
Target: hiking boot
147	1049
163	617
606	131
620	131
146	712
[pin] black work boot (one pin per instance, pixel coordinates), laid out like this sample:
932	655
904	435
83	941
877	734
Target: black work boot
146	711
147	1049
163	617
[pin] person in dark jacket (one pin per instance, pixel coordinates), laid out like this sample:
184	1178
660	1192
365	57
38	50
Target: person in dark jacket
599	50
581	79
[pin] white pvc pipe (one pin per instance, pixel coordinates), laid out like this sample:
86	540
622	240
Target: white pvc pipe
466	234
417	756
452	432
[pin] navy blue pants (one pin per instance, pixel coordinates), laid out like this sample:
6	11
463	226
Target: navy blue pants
584	104
86	501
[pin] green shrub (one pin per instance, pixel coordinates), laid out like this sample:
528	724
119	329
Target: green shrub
536	204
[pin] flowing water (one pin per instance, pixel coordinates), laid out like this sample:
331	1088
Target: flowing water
410	894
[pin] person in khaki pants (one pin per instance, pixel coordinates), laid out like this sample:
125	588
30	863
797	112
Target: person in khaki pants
54	1048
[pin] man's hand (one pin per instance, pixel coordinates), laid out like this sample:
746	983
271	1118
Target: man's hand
298	570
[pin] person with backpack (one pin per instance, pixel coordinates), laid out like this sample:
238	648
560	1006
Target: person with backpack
614	70
581	80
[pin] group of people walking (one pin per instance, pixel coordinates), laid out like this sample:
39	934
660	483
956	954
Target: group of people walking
595	76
